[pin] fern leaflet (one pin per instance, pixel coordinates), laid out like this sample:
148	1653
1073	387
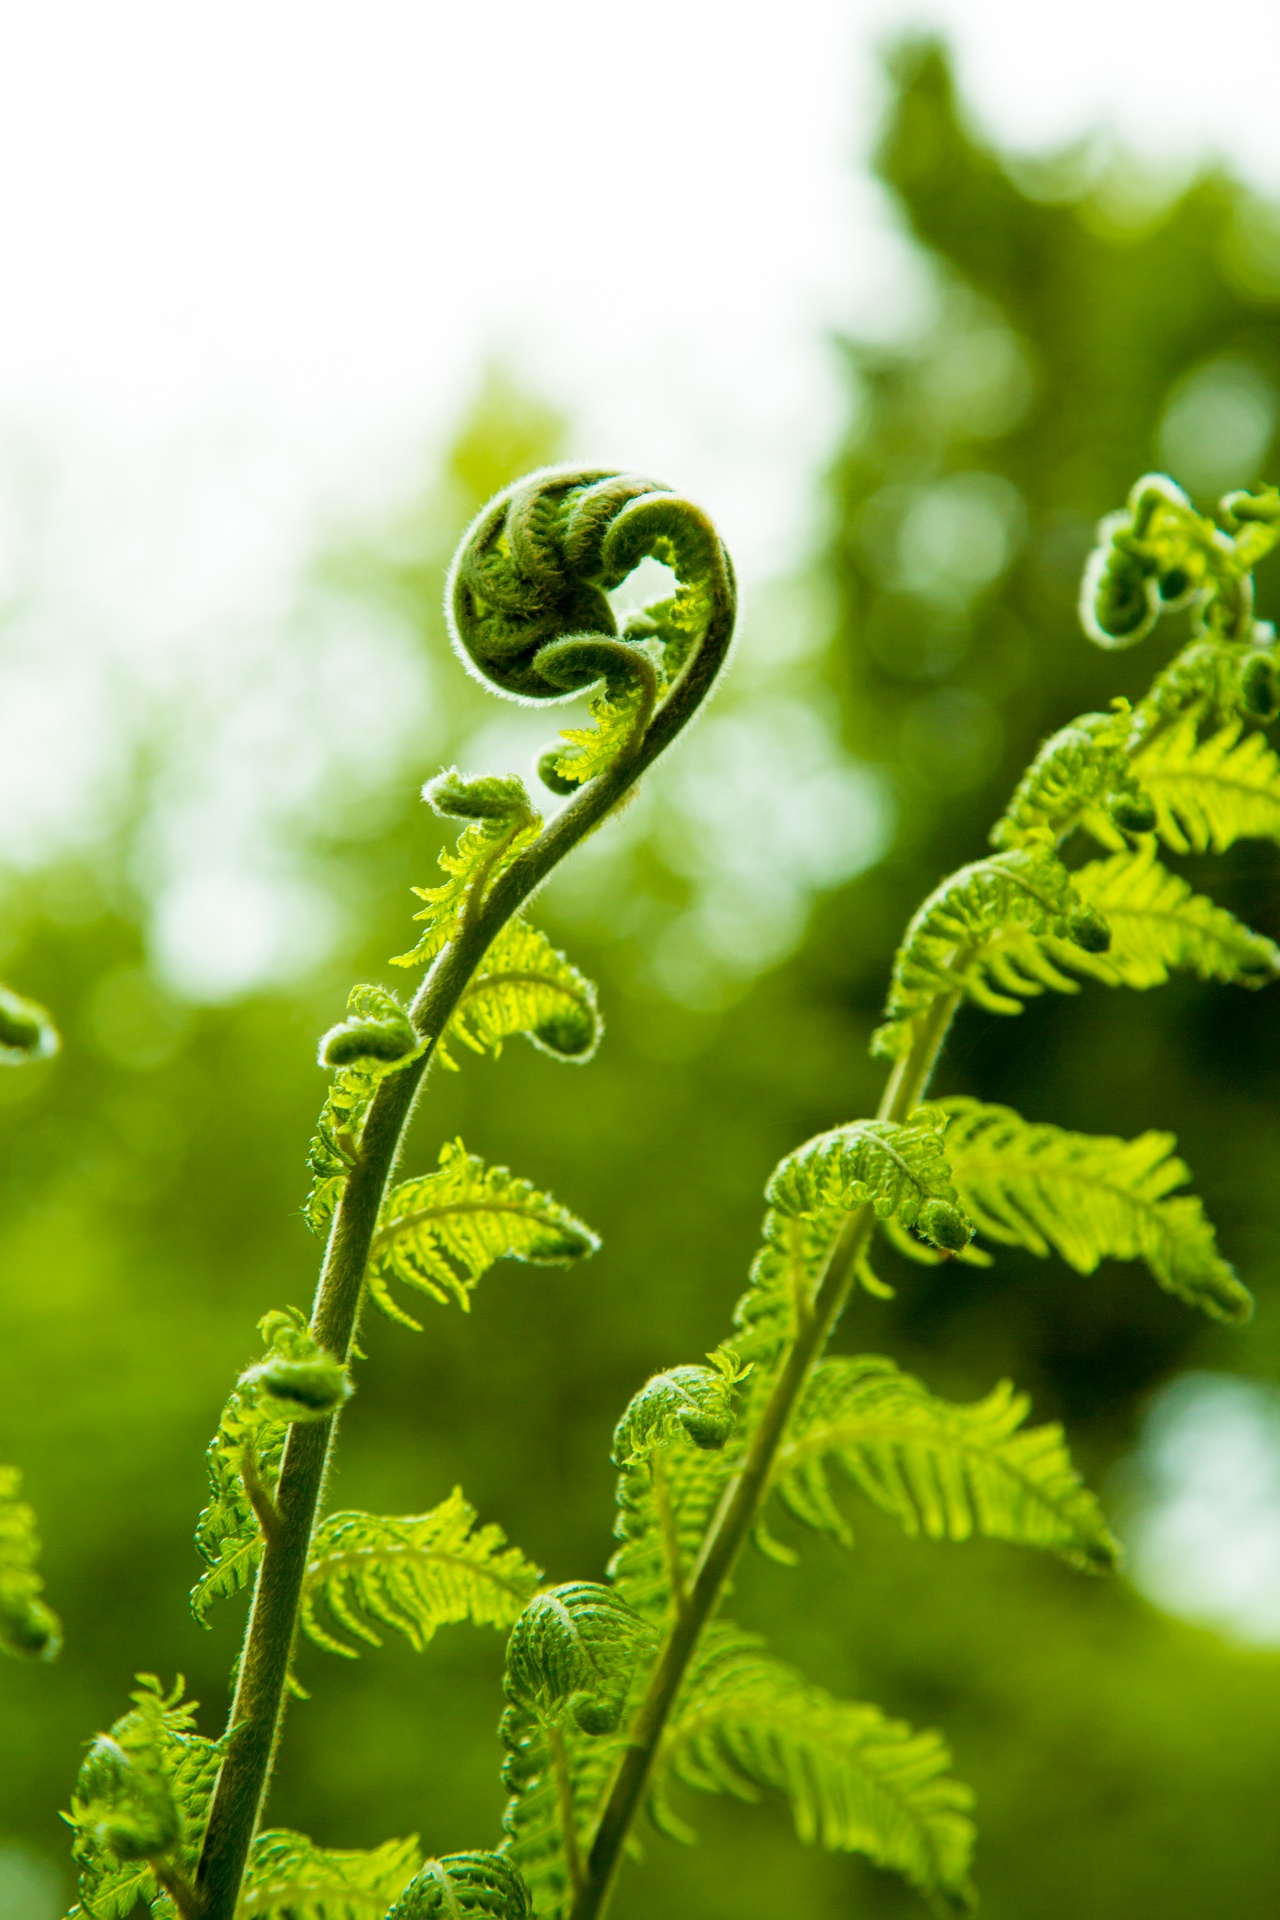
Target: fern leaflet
441	1232
485	849
1210	793
556	1778
857	1782
1077	774
338	1131
289	1878
413	1574
1160	926
1088	1198
980	934
524	986
665	1505
465	1886
29	1629
944	1470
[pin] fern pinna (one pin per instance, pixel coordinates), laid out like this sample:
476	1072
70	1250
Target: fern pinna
622	1693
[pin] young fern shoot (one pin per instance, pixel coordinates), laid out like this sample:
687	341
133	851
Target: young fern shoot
160	1814
620	1693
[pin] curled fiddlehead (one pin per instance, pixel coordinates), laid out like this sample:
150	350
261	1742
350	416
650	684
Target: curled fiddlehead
528	609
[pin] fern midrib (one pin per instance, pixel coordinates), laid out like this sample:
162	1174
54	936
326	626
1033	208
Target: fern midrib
486	982
325	1568
972	1167
407	1222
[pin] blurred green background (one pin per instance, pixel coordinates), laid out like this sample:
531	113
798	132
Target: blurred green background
1085	327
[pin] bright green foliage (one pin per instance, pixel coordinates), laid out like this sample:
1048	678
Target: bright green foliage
523	985
485	850
465	1886
665	1505
290	1879
375	1039
26	1031
857	1782
1089	1197
574	1650
1160	926
943	1470
589	750
556	1777
413	1573
699	1403
441	1232
1211	792
1079	772
980	935
141	1801
297	1379
251	1433
29	1629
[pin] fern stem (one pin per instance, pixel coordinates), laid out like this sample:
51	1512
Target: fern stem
745	1494
258	1707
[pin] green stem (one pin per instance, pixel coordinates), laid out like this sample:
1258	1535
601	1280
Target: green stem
745	1494
257	1710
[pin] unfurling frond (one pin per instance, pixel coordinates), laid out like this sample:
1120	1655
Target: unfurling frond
374	1040
465	1886
289	1878
1160	926
413	1574
616	712
698	1403
665	1505
575	1649
898	1168
1209	793
485	850
944	1470
26	1031
1088	1198
978	935
556	1777
441	1232
857	1782
29	1629
523	985
1080	773
295	1380
141	1802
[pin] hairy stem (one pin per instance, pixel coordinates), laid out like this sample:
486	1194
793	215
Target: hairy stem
257	1709
745	1493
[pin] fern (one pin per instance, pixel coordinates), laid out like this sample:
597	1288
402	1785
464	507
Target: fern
1160	926
1208	793
943	1470
412	1574
1080	773
336	1142
556	1777
574	1650
857	1782
141	1802
485	849
29	1629
524	986
289	1878
481	1885
696	1403
980	935
1089	1198
590	750
441	1232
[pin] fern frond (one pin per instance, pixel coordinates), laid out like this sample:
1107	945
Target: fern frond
412	1574
971	937
523	985
338	1131
556	1778
1209	793
141	1802
591	750
441	1232
465	1886
857	1782
944	1470
29	1629
1088	1198
575	1649
665	1505
1077	773
899	1168
290	1878
1159	926
697	1403
485	849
